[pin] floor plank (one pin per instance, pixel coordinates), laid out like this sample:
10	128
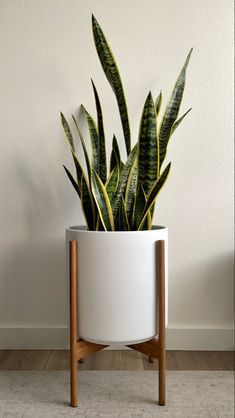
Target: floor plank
58	360
200	360
23	359
115	360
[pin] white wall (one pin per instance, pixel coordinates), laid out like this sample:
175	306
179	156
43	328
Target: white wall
47	59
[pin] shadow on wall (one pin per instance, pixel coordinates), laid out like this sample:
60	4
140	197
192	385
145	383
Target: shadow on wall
208	297
34	282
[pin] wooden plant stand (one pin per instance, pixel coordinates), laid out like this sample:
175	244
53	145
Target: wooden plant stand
154	348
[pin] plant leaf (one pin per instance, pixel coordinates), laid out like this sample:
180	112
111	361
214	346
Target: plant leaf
123	220
112	182
95	141
112	73
172	110
115	203
153	194
148	155
138	208
102	156
79	170
148	220
84	148
158	103
73	181
88	206
67	131
131	190
178	121
102	202
115	158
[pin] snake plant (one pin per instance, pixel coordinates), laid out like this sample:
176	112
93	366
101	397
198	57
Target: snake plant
117	195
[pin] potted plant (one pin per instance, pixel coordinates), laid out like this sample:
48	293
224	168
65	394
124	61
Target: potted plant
117	288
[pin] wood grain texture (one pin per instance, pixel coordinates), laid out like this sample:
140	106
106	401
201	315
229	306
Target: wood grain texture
116	360
84	349
58	360
23	359
160	257
150	348
73	274
79	349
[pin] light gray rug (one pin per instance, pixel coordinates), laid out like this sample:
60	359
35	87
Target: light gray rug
116	394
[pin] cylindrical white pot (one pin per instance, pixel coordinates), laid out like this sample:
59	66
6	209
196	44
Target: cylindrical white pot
117	284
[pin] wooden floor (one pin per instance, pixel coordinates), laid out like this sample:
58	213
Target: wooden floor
115	360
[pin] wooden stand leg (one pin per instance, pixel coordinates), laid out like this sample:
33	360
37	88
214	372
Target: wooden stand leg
161	326
155	348
162	380
79	348
73	382
73	256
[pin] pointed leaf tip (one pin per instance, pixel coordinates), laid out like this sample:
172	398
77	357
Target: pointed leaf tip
149	95
188	56
94	20
111	71
148	155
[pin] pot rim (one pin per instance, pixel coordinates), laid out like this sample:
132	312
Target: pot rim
83	229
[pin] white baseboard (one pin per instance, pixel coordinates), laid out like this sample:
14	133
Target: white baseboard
213	339
57	338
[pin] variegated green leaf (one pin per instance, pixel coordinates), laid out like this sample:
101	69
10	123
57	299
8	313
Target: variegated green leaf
158	103
172	111
131	190
102	154
114	162
88	206
116	200
138	208
84	148
95	142
178	121
102	202
69	137
79	170
112	73
147	224
153	194
112	182
123	223
67	131
115	155
73	181
148	155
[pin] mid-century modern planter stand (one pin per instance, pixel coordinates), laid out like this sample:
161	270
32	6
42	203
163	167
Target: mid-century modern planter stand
79	349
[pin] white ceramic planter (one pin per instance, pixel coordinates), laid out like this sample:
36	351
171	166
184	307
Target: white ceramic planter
117	284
